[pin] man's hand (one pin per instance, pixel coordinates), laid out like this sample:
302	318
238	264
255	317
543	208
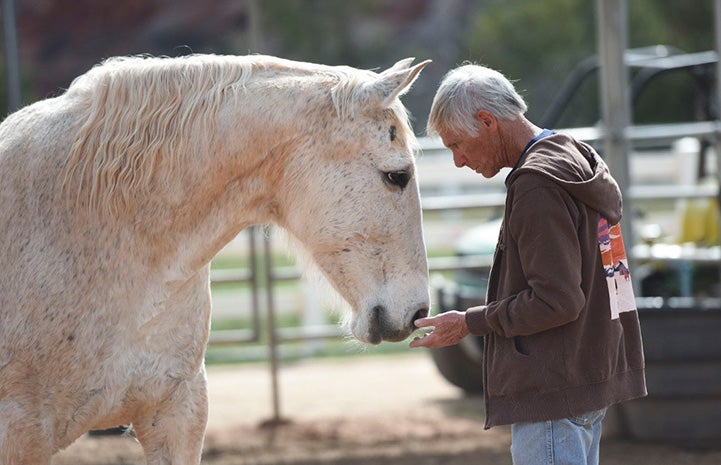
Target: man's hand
450	328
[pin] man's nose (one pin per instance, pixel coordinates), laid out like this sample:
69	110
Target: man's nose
459	160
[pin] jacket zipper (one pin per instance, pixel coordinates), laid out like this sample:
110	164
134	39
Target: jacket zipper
492	284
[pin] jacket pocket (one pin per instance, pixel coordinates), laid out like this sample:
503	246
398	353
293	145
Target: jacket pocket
526	365
521	348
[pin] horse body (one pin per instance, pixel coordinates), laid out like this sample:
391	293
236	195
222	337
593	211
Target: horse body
116	195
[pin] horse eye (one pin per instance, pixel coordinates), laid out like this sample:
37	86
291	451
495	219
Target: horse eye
398	178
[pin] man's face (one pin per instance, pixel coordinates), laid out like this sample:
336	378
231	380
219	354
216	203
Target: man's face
481	153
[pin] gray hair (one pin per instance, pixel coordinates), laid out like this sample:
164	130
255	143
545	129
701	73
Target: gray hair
465	91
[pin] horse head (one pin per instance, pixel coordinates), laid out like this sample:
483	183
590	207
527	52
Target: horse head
353	201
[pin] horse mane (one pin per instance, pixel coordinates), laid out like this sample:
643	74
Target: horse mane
140	110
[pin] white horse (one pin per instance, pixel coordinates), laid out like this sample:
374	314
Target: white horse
115	196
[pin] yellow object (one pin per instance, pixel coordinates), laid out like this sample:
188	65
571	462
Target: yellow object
700	222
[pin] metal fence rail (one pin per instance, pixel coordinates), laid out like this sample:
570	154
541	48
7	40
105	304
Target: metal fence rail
640	136
260	254
262	276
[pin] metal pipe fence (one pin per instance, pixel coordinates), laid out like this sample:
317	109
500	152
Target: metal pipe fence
262	276
640	136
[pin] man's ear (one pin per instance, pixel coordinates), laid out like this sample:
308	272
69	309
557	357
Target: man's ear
486	119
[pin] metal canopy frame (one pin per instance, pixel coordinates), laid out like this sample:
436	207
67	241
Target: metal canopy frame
612	42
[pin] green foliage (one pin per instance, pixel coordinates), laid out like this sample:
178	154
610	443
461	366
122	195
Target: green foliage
27	95
538	43
684	24
532	42
316	30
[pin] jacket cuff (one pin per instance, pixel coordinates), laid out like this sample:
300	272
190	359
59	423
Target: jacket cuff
476	321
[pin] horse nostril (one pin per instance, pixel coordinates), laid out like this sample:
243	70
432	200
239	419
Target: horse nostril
422	313
377	314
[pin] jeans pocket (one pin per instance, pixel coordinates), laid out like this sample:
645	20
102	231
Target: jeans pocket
589	418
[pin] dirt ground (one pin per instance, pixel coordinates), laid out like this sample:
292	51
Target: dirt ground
367	410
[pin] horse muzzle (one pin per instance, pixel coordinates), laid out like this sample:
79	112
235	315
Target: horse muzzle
378	324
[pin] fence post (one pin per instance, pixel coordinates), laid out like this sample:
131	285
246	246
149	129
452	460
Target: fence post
612	39
12	62
717	136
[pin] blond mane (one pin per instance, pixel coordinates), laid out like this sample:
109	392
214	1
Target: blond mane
140	111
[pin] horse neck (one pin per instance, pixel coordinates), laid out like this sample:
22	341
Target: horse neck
204	196
201	211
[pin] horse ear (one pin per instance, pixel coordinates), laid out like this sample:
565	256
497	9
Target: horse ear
394	82
399	66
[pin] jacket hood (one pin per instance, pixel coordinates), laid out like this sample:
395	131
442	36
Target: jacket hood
576	167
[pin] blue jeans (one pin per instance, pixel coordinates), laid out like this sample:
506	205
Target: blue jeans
571	441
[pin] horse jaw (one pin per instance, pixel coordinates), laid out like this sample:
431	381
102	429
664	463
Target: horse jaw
388	312
383	304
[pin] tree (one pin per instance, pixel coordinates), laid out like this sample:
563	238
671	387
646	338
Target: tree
539	43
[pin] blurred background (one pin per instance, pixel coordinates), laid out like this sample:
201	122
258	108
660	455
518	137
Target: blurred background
264	311
536	43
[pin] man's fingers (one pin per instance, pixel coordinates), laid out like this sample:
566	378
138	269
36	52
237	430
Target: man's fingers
448	329
424	322
430	340
421	341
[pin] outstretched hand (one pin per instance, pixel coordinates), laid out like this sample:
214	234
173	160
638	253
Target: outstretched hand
449	329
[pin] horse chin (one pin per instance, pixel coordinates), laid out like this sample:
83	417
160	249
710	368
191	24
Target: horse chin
374	329
375	338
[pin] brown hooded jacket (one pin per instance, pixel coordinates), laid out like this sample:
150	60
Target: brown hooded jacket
552	348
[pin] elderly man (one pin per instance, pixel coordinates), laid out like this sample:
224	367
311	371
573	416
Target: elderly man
562	338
